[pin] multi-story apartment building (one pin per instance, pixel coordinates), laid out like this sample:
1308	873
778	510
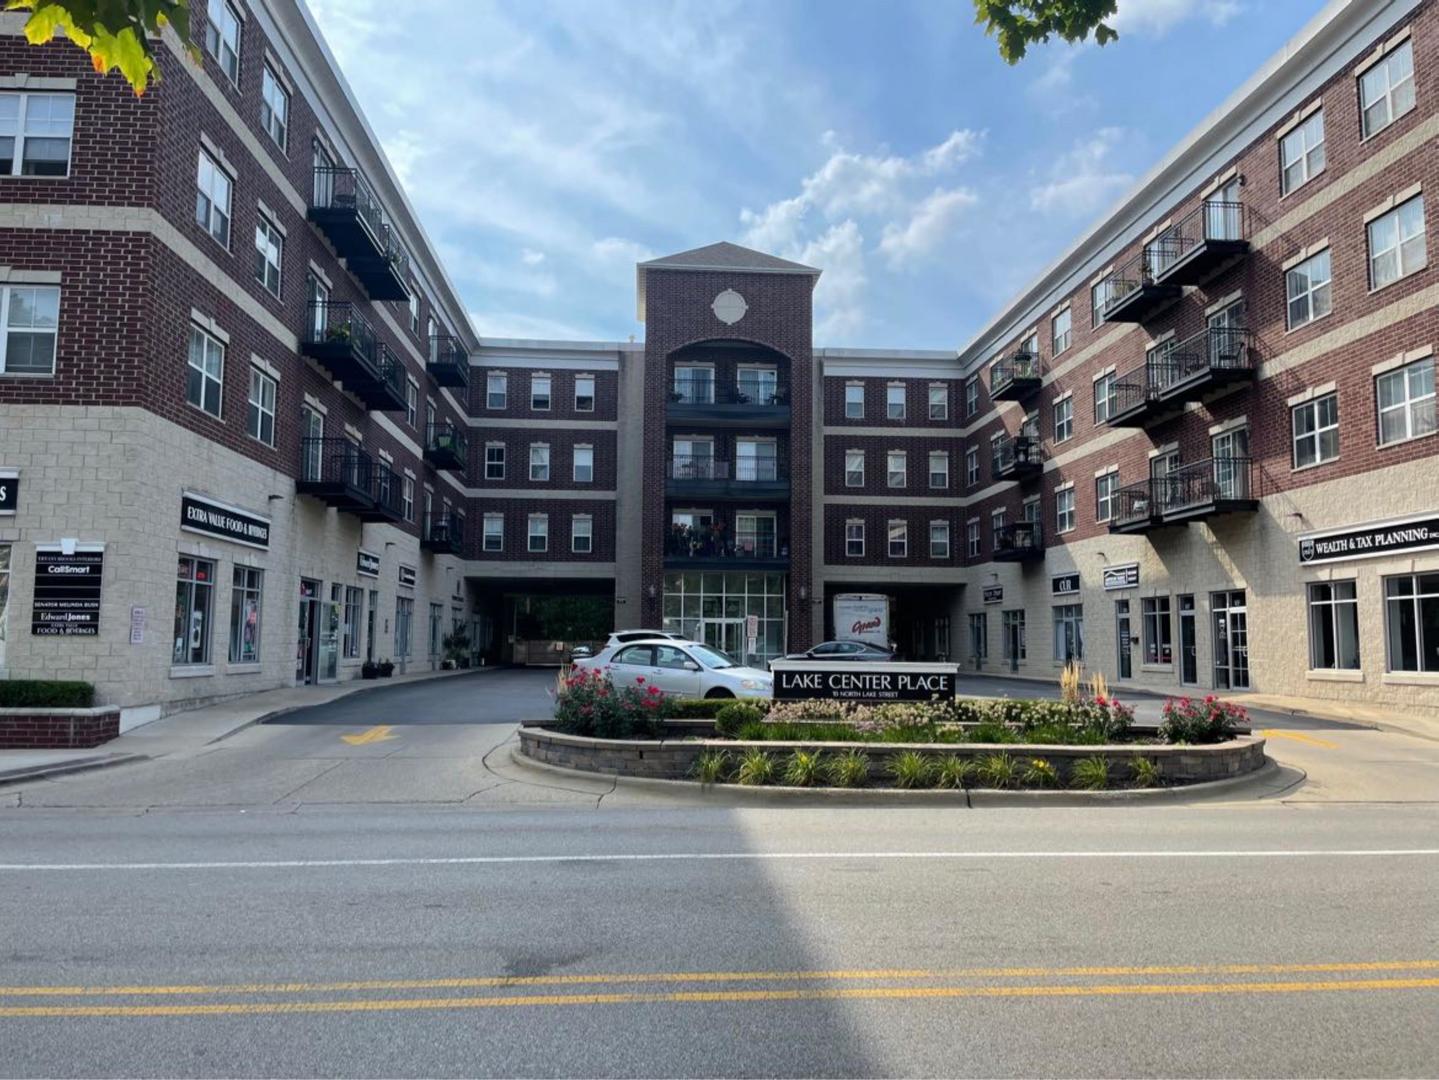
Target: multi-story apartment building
1198	451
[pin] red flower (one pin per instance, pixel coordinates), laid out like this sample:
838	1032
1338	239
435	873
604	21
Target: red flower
640	679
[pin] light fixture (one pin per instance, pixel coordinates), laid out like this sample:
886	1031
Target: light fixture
274	498
650	591
804	592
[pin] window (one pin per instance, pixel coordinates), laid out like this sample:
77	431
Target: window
1396	243
1411	615
1406	402
494	532
584	464
247	587
1158	645
755	534
756	460
971	396
939	539
269	254
1316	431
31	319
1099	295
414	310
412	402
898	468
319	297
274	107
898	539
222	38
1060	330
212	199
194	607
854	468
894	401
1301	154
939	469
540	393
1106	488
312	431
354	609
260	422
1333	626
496	390
404	619
996	524
539	461
971	466
35	131
1068	632
1104	397
1063	419
1386	91
939	403
758	386
582	534
1064	509
584	393
494	461
539	533
407	497
1308	288
1015	646
994	443
206	371
854	539
971	539
854	401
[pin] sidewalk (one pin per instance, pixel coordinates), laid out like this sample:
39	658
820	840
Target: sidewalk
1386	718
194	729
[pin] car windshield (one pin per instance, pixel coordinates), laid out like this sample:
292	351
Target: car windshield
711	658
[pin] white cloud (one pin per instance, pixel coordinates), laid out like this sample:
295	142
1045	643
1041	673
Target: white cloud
839	252
1158	17
931	223
1084	180
531	257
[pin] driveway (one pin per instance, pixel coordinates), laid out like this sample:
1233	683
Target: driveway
507	696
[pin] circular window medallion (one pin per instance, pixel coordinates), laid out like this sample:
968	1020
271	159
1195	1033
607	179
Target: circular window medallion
729	307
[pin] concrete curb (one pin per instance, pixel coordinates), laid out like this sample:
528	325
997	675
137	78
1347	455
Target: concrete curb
974	797
89	764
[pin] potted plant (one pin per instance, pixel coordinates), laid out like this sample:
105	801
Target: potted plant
386	668
369	670
457	647
339	334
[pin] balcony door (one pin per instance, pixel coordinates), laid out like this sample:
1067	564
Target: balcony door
1231	464
1222	213
694	385
757	385
755	535
1226	337
694	459
756	461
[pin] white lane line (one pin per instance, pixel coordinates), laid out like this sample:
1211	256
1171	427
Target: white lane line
733	856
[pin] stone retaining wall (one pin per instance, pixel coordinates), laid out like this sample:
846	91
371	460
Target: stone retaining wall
673	759
57	729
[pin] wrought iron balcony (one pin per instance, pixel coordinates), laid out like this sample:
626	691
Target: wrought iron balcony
449	363
1015	377
341	339
1191	370
345	209
1135	509
446	447
1133	294
750	404
386	494
1201	243
1018	457
1192	492
717	548
444	534
337	472
701	476
1022	541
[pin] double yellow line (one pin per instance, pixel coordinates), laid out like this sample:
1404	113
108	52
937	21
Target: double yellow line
921	986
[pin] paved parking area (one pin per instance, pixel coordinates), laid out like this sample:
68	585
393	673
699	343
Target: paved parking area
505	696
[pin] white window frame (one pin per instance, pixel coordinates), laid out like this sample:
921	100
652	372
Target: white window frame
412	402
588	450
1064	419
587	534
1315	435
493	540
1413	407
224	36
942	402
942	457
939	547
1418	601
1157	623
259	411
1106	488
269	255
1104	386
495	467
540	459
1410	253
584	379
854	535
211	182
40	329
973	539
890	471
274	106
891	405
854	478
549	395
1316	291
1099	295
854	398
21	134
971	396
1302	147
407	497
897	531
1060	339
542	534
207	376
492	379
1064	510
1397	59
971	466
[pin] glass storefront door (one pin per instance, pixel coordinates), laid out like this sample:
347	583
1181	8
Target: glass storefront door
698	604
330	615
1124	636
726	635
1231	640
1188	643
979	639
306	650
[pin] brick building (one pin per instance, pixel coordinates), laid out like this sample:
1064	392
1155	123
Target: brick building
1197	451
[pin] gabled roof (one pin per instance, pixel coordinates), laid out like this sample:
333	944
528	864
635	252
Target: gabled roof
721	256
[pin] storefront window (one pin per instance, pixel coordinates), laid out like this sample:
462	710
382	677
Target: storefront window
1333	626
1158	643
1069	632
194	604
404	616
354	602
715	608
1411	612
245	615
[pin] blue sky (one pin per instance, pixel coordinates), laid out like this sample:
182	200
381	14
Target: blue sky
550	144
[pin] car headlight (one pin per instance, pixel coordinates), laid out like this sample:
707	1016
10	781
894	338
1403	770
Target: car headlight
756	684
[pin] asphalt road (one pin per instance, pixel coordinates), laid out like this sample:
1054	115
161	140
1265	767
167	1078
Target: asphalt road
504	696
413	903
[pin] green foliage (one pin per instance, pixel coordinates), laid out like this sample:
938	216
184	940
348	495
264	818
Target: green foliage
803	768
1208	721
849	769
564	618
587	703
992	731
756	767
1091	773
711	767
1018	24
45	693
116	33
996	771
734	715
1144	773
1040	773
953	772
911	769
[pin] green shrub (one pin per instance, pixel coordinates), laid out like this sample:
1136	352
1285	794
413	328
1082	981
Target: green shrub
756	767
45	693
1040	773
996	770
1209	721
708	708
1144	773
991	731
848	769
1091	773
712	767
734	715
587	703
953	771
803	768
911	769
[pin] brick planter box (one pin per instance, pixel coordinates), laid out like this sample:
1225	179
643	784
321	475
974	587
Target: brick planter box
57	729
673	759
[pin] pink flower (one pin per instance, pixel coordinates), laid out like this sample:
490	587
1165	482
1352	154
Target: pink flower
640	679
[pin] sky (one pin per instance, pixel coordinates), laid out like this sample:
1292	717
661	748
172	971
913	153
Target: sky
549	145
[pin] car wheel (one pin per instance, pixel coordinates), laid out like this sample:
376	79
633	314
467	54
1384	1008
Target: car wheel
719	692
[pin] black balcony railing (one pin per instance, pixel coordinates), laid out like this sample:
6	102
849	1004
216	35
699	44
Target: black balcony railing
446	446
720	545
1134	508
1131	293
337	472
1018	455
1199	489
339	337
444	534
1186	371
344	207
386	488
1015	376
698	467
449	363
758	394
1199	242
1019	542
